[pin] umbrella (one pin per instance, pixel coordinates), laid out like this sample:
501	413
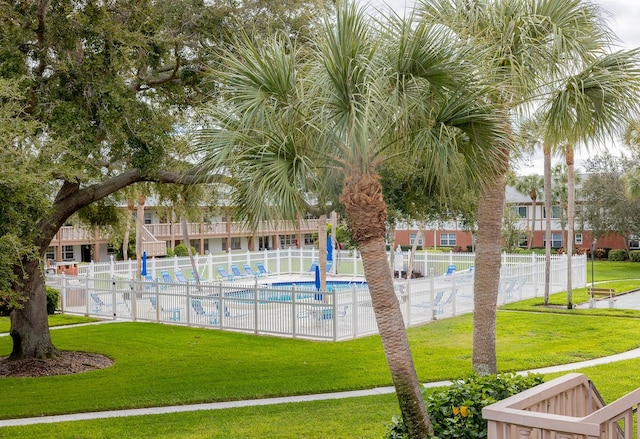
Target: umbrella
317	283
144	264
317	280
329	249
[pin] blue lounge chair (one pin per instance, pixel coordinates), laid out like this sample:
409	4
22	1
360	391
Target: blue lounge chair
200	311
250	271
193	276
180	277
314	264
224	274
174	312
327	313
450	270
166	277
236	271
98	303
262	270
150	282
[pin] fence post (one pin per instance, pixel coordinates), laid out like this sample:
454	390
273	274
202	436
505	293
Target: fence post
114	303
256	311
454	292
189	307
294	313
432	298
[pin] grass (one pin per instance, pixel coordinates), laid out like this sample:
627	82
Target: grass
165	365
54	320
609	270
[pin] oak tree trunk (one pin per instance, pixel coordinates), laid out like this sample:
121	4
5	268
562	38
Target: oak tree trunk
30	325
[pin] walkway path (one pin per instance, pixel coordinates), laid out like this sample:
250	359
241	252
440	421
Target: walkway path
635	353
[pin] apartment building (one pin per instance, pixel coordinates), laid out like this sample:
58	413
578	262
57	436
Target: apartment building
214	235
221	234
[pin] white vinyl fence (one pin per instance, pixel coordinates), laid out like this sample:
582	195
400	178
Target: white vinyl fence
256	305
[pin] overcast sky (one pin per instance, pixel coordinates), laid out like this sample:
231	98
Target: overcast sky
623	17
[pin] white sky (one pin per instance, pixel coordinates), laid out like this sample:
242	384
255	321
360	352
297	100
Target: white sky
623	17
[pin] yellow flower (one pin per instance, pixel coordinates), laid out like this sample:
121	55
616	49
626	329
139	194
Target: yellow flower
464	411
456	410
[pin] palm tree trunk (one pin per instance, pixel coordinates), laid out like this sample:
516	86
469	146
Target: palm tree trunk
139	225
414	247
548	207
366	215
534	200
571	188
187	242
487	277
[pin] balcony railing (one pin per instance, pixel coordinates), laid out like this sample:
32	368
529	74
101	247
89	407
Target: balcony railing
568	407
166	231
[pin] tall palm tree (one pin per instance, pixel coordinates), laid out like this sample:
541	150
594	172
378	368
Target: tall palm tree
592	105
529	43
530	185
294	122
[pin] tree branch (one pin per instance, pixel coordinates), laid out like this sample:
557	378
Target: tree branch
71	197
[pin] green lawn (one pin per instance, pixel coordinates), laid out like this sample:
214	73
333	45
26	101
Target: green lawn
159	365
613	270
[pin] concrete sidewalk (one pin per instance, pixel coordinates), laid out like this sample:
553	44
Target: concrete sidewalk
635	353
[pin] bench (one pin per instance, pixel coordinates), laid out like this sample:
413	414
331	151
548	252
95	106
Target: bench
604	293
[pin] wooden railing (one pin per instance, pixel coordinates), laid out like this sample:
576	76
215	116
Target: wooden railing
568	407
165	231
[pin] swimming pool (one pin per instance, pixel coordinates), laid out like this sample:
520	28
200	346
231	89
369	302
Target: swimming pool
310	285
283	291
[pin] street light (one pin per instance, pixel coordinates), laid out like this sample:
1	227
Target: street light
593	253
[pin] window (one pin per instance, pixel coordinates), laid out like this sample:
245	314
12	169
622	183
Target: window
236	243
67	252
287	241
523	241
555	212
634	242
448	239
147	218
520	210
578	238
50	253
308	239
556	240
412	238
224	244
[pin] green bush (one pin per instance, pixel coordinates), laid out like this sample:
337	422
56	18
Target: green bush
181	250
601	253
617	255
457	411
53	299
634	255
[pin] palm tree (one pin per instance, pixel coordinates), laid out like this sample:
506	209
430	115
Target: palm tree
591	105
530	185
529	43
294	122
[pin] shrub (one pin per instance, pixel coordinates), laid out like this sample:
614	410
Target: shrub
457	411
634	255
181	250
601	253
617	255
53	299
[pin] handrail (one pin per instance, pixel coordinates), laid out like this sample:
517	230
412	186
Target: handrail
574	394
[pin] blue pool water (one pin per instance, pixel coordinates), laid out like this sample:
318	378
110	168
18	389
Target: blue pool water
304	290
331	284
